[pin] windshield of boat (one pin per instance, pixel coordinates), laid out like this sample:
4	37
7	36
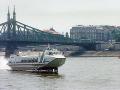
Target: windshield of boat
52	51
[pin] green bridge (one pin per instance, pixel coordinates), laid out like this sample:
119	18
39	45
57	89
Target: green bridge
14	33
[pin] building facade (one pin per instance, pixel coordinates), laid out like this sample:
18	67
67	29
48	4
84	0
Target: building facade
97	33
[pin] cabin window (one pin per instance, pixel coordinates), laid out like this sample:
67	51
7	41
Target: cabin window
50	53
30	61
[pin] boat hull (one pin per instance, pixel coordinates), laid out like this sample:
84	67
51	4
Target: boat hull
55	63
24	67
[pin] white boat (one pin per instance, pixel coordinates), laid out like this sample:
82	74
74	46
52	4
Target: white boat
49	59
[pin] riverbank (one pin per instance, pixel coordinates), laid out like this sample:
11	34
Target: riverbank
78	53
96	53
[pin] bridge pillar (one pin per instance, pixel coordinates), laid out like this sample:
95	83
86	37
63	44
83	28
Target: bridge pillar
10	48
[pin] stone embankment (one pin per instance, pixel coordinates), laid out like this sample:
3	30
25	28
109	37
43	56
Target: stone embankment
96	53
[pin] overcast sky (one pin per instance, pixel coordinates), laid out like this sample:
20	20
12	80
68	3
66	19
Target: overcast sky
63	14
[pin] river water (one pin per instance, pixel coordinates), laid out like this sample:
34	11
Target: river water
78	73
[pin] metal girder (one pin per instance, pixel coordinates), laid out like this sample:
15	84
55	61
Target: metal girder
17	31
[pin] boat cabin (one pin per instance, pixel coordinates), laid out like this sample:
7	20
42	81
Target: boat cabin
50	51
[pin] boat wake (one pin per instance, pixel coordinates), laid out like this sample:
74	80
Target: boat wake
3	63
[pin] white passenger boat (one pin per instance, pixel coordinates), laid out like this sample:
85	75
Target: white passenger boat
49	60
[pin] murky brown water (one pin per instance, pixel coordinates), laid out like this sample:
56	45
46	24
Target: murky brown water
97	73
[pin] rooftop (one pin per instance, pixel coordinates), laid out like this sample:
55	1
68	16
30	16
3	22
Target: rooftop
52	31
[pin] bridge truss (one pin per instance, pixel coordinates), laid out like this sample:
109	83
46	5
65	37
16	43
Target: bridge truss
14	33
13	30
